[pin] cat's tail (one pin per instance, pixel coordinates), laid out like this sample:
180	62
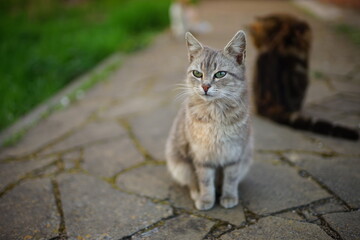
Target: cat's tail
320	126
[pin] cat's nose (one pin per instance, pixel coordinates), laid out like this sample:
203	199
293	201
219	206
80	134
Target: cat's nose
206	87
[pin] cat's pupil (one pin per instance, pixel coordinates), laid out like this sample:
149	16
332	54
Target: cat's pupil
220	74
197	74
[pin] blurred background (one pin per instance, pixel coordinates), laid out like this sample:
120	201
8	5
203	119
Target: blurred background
45	44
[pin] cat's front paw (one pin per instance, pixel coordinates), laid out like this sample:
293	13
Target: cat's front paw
202	204
229	201
194	194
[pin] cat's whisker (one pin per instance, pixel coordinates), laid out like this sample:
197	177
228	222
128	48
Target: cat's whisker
234	97
182	95
182	90
181	86
242	103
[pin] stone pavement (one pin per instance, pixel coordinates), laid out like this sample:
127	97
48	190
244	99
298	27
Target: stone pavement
96	170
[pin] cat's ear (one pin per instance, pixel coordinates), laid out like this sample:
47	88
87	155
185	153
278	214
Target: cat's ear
236	48
194	46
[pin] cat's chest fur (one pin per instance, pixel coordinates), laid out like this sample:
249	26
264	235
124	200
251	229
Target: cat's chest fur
216	137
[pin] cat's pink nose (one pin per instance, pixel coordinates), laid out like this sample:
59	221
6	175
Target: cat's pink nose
206	87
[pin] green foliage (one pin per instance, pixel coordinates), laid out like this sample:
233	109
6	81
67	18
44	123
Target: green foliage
44	44
352	32
317	74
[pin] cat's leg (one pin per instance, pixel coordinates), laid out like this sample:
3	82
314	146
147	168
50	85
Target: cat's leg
233	174
183	172
206	181
179	161
229	197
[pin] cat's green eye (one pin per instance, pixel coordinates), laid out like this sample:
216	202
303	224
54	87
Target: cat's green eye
220	74
197	74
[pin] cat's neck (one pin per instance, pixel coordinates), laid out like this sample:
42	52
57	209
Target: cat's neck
217	110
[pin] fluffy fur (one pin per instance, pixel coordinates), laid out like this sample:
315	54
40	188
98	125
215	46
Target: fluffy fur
212	130
281	74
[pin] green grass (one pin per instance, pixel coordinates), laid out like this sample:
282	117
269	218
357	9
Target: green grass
44	44
92	78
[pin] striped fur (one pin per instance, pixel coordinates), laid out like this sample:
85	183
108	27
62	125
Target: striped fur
281	74
212	129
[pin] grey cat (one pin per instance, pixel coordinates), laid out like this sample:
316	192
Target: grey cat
212	130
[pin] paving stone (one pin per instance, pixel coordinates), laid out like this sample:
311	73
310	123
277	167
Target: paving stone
317	111
156	182
72	159
110	157
272	136
29	212
326	56
329	207
340	109
275	228
110	89
340	174
179	228
151	180
317	90
234	215
270	187
294	156
180	197
153	125
338	145
292	215
50	129
346	85
310	215
90	133
347	224
352	121
152	77
133	106
92	208
346	102
12	171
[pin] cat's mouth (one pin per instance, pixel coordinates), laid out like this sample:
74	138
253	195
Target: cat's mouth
207	95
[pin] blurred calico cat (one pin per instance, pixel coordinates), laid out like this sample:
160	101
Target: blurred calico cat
281	74
212	130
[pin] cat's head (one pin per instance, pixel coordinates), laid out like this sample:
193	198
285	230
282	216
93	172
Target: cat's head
280	30
216	74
